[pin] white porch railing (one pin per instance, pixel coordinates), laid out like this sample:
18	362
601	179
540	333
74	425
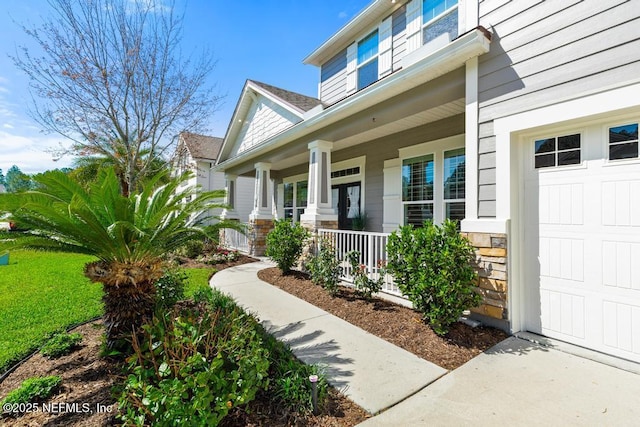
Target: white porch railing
373	252
234	239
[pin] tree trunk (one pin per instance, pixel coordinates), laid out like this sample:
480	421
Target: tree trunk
129	297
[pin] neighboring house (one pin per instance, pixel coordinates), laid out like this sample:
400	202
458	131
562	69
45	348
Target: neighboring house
198	153
518	118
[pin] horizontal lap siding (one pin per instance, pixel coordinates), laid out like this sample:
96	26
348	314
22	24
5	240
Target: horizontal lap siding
543	52
333	78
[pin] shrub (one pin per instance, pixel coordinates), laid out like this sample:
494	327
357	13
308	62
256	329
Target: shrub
285	243
365	286
324	267
170	287
220	255
432	267
192	366
289	387
33	389
60	344
191	249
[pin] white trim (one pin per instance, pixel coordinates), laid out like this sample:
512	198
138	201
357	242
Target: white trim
470	16
471	139
497	226
385	47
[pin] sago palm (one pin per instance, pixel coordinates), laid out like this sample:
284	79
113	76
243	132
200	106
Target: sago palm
127	234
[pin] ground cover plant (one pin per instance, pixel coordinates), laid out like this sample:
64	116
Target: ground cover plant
60	344
40	294
32	390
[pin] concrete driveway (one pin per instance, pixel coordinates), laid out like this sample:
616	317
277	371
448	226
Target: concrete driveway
521	383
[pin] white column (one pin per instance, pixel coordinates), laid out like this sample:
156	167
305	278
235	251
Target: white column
230	197
263	194
319	205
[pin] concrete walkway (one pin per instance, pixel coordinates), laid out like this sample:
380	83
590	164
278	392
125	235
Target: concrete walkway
370	371
516	383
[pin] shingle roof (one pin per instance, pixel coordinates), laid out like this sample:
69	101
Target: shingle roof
301	102
201	146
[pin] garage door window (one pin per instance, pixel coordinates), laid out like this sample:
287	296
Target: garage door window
557	151
623	142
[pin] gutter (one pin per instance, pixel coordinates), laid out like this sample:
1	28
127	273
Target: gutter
446	59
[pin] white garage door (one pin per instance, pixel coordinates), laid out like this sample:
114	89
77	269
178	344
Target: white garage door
582	237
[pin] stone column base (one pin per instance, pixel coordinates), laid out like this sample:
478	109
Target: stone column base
258	230
491	265
314	226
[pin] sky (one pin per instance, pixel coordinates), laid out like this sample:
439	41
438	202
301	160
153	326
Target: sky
263	40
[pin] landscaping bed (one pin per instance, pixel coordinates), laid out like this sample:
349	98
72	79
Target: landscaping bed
396	324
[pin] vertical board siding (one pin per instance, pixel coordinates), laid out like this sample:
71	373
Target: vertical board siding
546	51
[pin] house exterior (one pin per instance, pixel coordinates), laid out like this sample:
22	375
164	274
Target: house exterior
198	153
518	118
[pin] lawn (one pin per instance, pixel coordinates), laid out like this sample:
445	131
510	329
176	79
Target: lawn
44	292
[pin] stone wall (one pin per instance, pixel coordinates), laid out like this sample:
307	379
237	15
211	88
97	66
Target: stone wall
258	230
314	226
491	265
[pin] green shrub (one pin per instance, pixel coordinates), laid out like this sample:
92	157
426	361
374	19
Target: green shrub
60	344
324	267
285	243
365	286
33	389
432	267
193	365
170	287
191	249
289	387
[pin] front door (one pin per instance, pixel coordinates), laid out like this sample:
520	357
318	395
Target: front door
346	199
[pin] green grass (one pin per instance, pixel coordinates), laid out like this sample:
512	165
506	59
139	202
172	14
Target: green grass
198	278
41	293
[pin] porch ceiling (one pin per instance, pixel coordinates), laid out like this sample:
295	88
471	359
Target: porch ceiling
299	153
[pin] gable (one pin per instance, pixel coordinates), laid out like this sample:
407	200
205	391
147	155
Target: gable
265	118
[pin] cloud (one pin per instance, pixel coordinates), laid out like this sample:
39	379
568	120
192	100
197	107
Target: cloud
30	153
343	15
7	126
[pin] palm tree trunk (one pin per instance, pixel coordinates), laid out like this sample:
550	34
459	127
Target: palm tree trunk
129	297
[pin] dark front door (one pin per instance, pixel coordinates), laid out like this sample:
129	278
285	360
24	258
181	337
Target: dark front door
346	198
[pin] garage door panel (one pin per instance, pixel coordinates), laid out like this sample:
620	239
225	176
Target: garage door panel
582	228
621	326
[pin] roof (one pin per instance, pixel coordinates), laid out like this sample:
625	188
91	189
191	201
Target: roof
202	146
296	100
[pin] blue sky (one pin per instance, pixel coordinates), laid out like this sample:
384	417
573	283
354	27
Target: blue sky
260	40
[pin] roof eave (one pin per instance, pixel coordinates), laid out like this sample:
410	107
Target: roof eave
455	54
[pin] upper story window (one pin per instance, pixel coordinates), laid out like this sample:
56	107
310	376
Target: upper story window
368	60
439	17
623	142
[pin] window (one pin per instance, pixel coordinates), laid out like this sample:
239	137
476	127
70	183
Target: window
557	151
439	17
295	199
417	189
368	60
454	184
623	142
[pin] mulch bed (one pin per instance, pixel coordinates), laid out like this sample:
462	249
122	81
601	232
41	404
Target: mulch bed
396	324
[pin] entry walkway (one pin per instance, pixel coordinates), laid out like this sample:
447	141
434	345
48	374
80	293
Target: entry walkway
516	383
370	371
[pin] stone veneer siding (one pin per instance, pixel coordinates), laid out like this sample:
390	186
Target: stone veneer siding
258	230
314	226
491	265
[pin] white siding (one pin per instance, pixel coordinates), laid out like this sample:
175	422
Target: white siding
545	51
264	120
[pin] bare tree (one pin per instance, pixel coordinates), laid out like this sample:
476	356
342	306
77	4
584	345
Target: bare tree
112	78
